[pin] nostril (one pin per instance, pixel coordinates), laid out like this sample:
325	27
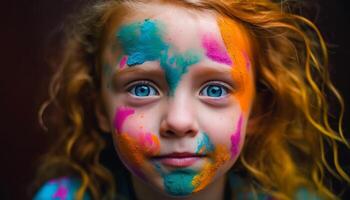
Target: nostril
169	133
172	133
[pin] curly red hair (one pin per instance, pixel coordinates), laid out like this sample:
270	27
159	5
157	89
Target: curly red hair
291	117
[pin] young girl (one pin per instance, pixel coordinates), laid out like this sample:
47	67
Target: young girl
202	100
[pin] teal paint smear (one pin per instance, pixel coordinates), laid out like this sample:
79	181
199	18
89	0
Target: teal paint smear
179	182
205	143
177	65
142	41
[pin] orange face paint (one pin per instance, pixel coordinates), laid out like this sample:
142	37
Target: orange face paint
237	44
136	150
220	155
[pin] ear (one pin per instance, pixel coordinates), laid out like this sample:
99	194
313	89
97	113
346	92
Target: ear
102	117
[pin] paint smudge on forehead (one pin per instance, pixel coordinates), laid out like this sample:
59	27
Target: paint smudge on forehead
122	62
215	51
143	41
236	138
121	114
176	66
237	44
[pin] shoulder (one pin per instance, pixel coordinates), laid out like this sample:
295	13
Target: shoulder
304	193
240	191
59	189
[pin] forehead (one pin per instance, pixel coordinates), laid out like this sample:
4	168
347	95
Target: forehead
183	27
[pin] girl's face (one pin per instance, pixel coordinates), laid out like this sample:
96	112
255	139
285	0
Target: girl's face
177	87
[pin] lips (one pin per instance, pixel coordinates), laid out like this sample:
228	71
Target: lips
184	159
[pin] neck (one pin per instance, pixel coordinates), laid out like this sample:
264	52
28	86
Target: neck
215	190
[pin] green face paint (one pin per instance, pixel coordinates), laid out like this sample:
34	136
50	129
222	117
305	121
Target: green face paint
143	41
179	182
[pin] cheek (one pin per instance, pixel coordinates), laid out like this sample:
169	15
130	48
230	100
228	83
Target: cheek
231	135
237	138
220	123
133	143
222	142
219	155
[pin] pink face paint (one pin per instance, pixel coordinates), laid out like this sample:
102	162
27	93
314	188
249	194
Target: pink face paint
61	192
247	60
235	138
149	143
215	51
123	62
121	114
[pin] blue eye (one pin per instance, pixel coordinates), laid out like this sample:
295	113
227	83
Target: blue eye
214	90
143	89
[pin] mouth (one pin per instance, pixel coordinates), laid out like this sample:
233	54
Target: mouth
176	159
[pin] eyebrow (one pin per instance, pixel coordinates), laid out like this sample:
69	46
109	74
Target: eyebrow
210	71
137	70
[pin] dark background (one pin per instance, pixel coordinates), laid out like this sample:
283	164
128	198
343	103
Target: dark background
26	29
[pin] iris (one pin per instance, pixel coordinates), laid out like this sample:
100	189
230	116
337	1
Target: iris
143	90
214	91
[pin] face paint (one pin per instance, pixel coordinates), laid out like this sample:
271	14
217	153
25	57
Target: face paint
138	138
236	138
247	60
215	51
123	62
135	149
235	43
179	182
61	192
141	42
177	65
220	156
204	145
144	42
121	115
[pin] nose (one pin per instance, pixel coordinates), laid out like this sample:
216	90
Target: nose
179	119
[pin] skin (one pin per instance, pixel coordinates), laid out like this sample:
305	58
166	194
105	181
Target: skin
182	54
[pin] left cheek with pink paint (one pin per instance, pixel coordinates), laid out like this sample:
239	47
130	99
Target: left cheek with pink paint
133	133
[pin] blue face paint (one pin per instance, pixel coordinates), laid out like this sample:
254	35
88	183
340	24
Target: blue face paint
143	42
204	145
177	65
179	182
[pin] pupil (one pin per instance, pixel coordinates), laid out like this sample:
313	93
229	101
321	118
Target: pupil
214	91
142	90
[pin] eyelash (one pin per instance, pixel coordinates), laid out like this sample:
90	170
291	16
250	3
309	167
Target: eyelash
224	88
132	89
154	91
